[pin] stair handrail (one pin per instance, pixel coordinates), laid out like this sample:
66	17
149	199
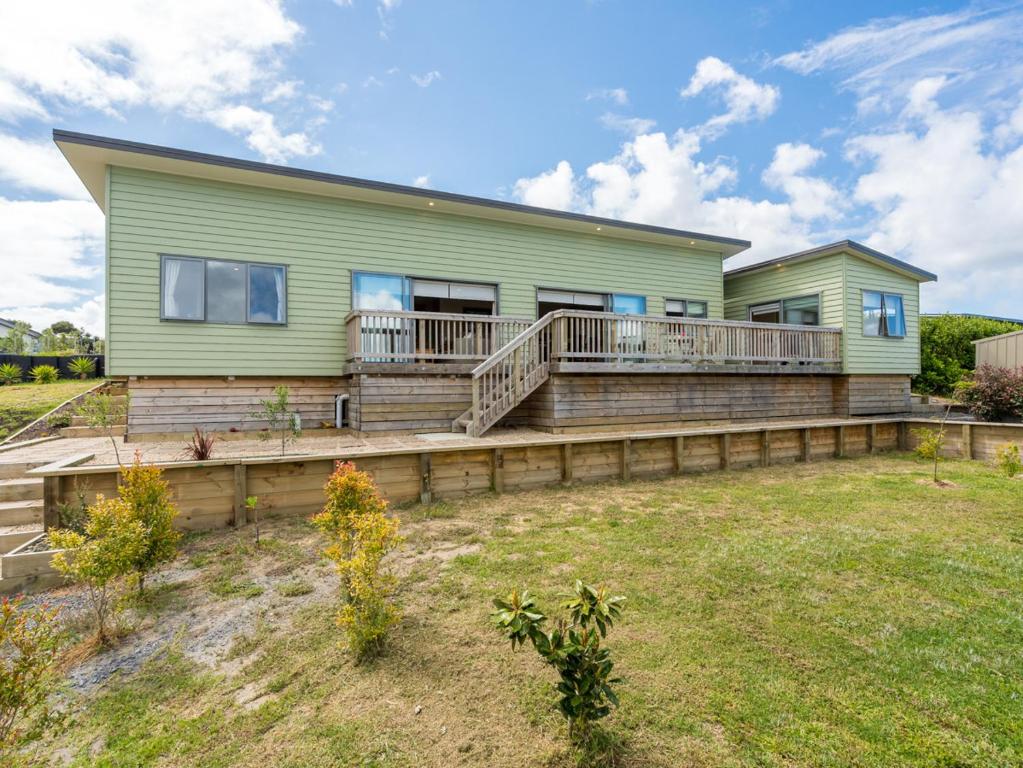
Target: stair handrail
494	395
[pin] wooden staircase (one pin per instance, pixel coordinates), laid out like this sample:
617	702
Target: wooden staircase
508	377
118	392
21	518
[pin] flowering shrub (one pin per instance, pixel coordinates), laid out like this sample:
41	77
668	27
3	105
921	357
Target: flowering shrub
359	535
992	393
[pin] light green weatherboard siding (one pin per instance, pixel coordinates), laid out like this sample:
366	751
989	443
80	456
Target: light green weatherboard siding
840	279
872	354
322	240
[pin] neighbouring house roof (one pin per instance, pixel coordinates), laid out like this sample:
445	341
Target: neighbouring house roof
10	324
90	155
973	314
842	246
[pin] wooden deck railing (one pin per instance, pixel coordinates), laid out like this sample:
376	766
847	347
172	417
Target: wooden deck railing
506	378
427	337
605	337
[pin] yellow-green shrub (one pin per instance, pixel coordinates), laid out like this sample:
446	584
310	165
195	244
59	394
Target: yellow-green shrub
147	494
29	643
108	549
1008	459
360	534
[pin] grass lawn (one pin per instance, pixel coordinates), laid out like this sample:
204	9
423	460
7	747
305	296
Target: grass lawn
21	404
848	613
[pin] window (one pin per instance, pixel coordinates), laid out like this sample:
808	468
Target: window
883	314
217	291
373	291
627	304
400	293
766	313
685	308
802	310
798	310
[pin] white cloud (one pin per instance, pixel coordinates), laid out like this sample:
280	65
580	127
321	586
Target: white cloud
744	98
282	91
945	199
883	59
657	179
47	246
39	167
810	198
553	189
424	81
261	133
16	104
619	96
630	125
88	314
423	182
192	59
372	82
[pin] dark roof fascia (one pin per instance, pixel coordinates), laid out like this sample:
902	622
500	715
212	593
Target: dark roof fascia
121	145
846	245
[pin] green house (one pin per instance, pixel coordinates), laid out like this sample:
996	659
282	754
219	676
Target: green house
387	308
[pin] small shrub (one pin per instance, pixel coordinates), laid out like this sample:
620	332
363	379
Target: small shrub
58	420
929	443
282	422
200	447
146	493
82	367
359	535
44	374
1007	459
992	393
572	647
102	411
29	643
10	373
252	513
108	549
72	516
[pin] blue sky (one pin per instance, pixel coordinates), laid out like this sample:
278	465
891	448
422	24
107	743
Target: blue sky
790	124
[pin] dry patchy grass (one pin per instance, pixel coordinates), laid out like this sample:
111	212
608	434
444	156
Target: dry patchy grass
833	614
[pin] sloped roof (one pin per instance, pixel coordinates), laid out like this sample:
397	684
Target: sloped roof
842	246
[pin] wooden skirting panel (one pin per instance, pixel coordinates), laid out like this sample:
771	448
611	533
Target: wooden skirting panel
580	402
160	405
212	494
874	395
413	403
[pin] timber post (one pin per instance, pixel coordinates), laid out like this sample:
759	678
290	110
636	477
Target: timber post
241	492
425	479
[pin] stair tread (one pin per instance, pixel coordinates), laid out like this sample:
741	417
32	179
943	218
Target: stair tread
22	528
29	503
21	481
